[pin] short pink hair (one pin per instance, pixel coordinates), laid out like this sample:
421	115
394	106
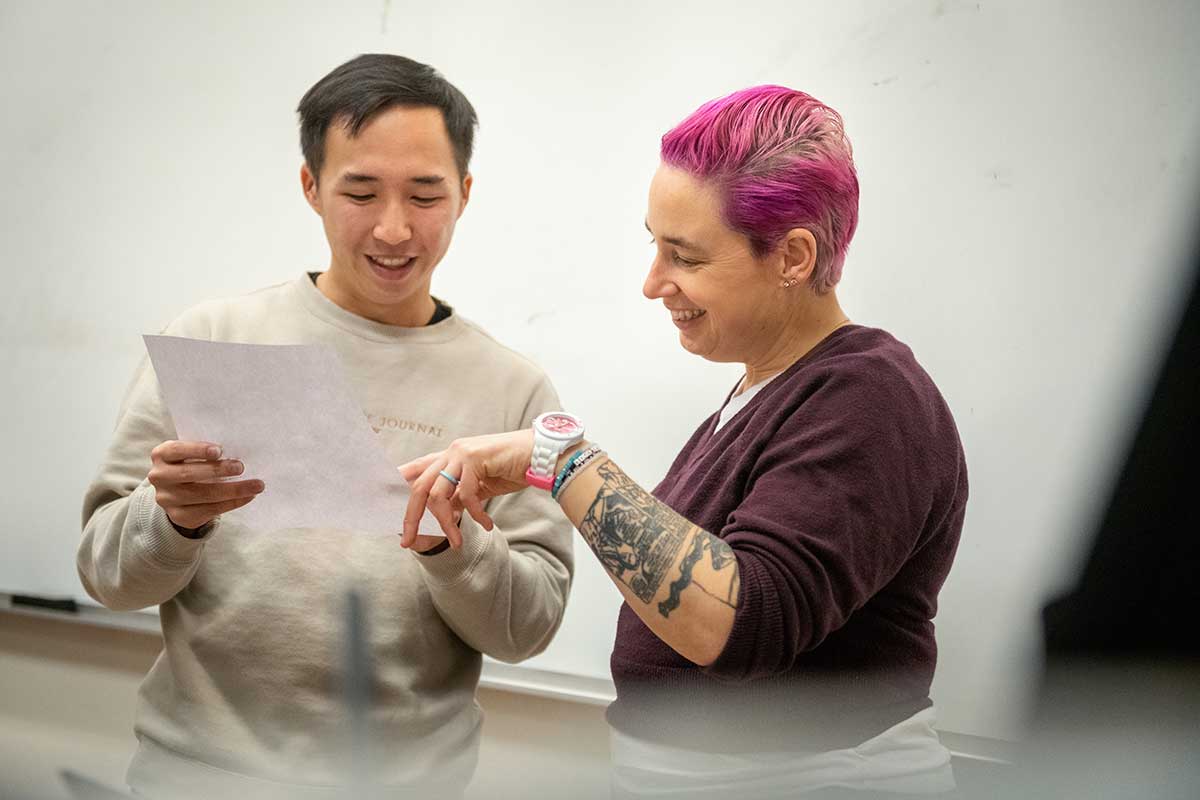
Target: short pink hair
780	160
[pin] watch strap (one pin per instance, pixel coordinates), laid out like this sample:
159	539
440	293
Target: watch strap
539	481
544	457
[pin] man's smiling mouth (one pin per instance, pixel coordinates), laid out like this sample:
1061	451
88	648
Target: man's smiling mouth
397	262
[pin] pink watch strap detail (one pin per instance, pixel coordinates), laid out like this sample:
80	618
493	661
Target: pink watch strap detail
539	481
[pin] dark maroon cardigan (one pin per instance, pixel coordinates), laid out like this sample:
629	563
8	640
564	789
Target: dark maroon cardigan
841	487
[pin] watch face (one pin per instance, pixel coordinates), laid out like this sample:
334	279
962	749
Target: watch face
560	426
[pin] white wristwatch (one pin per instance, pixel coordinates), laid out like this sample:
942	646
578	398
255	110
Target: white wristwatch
553	432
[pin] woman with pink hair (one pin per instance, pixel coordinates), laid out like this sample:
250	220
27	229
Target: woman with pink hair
780	582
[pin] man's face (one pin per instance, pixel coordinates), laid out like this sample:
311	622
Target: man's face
389	199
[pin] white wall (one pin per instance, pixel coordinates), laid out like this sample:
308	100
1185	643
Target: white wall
1022	166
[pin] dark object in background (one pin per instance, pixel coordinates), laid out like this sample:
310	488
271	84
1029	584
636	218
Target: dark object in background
1139	595
1118	715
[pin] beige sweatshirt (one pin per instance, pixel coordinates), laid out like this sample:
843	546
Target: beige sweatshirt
245	699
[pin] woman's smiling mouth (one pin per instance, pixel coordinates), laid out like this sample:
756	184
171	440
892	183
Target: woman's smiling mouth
685	315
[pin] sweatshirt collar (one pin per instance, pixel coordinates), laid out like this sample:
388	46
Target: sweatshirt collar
331	313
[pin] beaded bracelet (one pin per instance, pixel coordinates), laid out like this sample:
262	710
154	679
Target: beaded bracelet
573	467
567	468
562	472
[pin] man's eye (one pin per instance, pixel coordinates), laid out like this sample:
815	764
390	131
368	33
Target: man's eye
360	198
426	201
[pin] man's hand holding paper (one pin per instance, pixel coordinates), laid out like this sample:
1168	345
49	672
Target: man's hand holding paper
285	412
187	479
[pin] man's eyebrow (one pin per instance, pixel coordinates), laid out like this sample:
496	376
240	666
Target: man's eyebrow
675	240
424	180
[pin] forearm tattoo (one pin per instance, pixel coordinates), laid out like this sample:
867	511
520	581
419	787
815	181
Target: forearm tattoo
637	539
725	579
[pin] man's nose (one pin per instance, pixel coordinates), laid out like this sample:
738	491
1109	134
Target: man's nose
392	227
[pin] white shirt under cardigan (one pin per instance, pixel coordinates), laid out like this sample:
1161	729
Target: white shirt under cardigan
740	400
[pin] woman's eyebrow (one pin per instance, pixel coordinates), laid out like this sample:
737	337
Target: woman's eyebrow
675	240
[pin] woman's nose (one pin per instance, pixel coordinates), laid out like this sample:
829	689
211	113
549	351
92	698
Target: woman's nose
657	283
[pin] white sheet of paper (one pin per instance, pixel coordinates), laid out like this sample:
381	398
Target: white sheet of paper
286	412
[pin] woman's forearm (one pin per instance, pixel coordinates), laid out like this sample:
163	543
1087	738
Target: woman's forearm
681	580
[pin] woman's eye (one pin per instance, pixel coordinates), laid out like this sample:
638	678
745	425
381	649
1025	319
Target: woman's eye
678	259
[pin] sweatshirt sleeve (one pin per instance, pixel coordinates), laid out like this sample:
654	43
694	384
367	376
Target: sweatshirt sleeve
835	505
504	592
130	555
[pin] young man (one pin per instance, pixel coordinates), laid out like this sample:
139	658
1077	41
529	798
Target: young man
245	699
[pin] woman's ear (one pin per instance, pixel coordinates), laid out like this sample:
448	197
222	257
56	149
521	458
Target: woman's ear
799	256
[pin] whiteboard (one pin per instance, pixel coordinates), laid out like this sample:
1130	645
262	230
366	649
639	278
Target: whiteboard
1024	167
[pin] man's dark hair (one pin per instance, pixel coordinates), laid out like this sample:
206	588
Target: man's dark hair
365	86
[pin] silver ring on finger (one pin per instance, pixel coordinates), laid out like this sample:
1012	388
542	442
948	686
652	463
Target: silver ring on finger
448	476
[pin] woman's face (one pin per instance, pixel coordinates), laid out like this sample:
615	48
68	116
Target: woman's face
727	304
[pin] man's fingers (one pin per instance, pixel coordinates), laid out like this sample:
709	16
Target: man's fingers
187	482
223	492
193	517
166	473
198	494
174	452
232	505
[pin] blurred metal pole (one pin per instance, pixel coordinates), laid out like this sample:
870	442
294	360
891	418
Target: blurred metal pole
361	779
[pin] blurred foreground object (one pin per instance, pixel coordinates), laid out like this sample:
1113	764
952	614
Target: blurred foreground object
1119	711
